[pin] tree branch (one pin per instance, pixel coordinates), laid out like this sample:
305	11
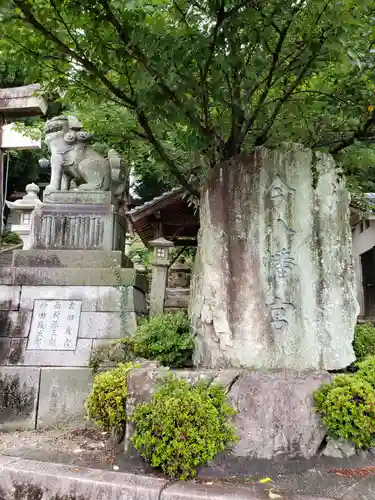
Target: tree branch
86	63
360	134
261	139
143	121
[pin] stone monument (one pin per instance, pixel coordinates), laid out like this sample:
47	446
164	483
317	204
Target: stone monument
274	285
74	288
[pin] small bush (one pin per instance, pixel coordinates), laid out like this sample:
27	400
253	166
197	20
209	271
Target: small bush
106	403
165	338
183	427
11	238
348	409
118	351
364	341
366	370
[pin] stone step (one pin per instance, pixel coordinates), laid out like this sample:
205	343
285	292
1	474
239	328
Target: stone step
72	276
70	258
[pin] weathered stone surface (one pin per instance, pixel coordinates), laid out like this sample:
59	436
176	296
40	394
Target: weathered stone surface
15	323
7	276
68	258
62	396
9	297
76	277
78	358
273	284
111	299
106	325
339	448
22	101
19	389
276	413
73	227
31	480
78	197
12	351
88	295
176	298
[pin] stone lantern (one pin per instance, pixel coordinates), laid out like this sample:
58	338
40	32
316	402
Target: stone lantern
160	264
179	275
25	205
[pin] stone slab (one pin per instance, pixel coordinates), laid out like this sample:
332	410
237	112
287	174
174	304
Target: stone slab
276	415
77	277
68	258
190	491
12	351
19	391
78	197
5	460
110	299
106	325
63	392
88	295
15	323
28	479
7	275
78	358
9	297
55	325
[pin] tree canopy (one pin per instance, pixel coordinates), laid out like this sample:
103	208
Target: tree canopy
201	81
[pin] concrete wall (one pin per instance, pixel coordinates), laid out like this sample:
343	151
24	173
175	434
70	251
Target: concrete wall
362	242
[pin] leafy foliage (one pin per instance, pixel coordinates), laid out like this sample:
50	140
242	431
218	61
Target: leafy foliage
118	351
196	83
165	338
10	238
183	427
348	409
106	405
366	370
364	341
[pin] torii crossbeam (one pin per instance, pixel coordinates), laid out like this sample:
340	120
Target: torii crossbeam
16	103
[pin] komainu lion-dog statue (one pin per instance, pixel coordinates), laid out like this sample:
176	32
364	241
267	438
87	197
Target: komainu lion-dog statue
75	164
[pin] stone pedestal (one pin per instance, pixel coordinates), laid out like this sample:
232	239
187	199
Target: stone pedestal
75	220
58	302
275	409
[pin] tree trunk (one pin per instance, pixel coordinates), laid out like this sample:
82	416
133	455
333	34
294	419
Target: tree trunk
273	284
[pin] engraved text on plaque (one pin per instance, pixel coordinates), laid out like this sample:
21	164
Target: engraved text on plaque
54	325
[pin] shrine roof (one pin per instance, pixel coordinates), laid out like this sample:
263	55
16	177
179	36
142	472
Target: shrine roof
172	211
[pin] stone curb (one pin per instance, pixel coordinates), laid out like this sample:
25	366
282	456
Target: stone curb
27	479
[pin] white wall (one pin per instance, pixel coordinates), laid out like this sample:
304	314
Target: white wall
362	242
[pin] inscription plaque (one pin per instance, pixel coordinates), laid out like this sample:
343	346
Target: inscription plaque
54	325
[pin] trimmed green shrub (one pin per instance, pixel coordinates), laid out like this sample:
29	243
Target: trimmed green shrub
118	351
366	370
106	403
11	238
183	427
348	409
165	338
364	341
